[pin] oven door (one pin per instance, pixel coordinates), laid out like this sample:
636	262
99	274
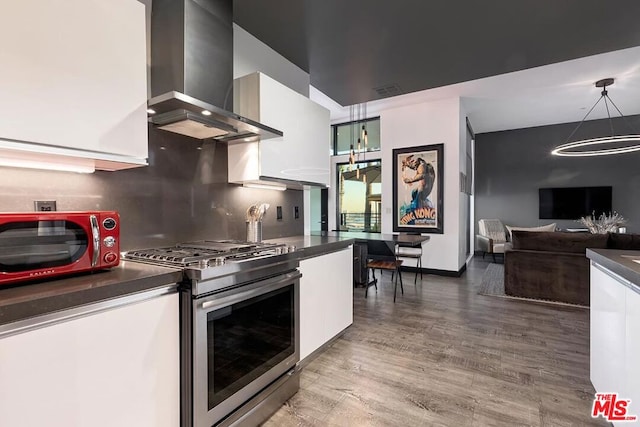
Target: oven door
37	248
244	339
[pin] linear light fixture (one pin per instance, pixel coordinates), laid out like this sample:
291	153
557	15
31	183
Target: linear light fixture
32	160
265	186
33	164
607	145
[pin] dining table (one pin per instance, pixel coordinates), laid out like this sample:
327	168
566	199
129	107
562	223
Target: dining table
371	241
403	239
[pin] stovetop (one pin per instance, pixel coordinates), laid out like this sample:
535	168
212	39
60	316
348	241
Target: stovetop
207	253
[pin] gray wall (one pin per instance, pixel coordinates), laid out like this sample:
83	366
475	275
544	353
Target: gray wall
183	195
512	165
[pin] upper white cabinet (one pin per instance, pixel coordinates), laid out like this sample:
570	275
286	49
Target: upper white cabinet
301	154
73	78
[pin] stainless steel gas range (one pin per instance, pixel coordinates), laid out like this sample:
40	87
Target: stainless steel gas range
239	322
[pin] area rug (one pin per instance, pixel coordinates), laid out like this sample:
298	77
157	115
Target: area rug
493	280
492	284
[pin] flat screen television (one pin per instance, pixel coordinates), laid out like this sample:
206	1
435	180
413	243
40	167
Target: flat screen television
574	202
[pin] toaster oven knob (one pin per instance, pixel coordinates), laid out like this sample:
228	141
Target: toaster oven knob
109	241
109	223
110	257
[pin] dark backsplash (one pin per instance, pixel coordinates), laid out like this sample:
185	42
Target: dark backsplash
182	195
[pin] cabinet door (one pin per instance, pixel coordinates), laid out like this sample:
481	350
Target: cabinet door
115	368
632	351
73	74
607	332
302	153
326	298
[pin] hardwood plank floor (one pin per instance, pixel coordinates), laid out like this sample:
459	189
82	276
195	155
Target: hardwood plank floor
443	355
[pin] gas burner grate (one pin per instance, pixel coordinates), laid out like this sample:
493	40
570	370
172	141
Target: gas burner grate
194	253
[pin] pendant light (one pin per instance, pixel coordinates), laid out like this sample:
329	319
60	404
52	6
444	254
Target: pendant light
604	145
359	139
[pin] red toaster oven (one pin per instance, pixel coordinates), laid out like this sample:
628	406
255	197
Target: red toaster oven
49	244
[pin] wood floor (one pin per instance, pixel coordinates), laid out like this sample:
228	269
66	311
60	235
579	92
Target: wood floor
444	356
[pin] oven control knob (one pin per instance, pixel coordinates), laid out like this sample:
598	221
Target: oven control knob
110	257
109	223
109	241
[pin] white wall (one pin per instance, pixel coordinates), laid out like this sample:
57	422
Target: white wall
464	202
251	55
435	122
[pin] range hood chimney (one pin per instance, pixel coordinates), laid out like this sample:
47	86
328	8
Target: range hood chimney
192	72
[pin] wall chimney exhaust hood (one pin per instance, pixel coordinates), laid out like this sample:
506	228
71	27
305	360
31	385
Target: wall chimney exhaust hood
192	72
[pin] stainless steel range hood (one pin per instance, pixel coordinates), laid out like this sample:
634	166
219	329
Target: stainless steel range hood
192	72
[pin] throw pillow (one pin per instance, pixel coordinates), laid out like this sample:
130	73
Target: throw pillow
548	227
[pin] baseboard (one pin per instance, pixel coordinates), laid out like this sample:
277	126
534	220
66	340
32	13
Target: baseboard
437	272
304	362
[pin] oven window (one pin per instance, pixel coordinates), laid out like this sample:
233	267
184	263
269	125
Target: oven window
29	245
247	339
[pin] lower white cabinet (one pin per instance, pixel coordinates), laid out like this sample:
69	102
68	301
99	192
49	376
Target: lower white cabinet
326	298
118	367
632	350
615	336
607	332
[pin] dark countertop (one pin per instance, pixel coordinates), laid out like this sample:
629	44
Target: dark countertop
24	301
311	246
619	262
317	244
30	300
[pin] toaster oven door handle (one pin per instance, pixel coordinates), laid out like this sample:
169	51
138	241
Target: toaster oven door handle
95	233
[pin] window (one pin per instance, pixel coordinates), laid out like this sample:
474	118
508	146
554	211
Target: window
359	196
346	134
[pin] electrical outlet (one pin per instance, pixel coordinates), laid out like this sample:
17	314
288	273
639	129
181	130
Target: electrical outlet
44	205
296	212
278	212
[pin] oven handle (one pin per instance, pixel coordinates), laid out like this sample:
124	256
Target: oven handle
95	232
255	289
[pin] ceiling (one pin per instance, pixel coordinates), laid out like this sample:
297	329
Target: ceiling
516	64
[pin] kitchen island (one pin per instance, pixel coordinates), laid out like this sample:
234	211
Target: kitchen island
615	317
110	339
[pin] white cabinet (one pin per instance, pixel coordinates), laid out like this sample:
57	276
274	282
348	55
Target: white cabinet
632	350
118	367
615	336
301	154
607	332
326	298
73	77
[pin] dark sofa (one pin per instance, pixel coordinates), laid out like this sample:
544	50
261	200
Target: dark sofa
553	265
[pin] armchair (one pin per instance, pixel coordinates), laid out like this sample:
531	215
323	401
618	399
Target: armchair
491	238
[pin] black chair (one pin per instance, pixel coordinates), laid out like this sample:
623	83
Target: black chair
382	257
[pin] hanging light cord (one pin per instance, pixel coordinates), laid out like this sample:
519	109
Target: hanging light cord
619	112
603	95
